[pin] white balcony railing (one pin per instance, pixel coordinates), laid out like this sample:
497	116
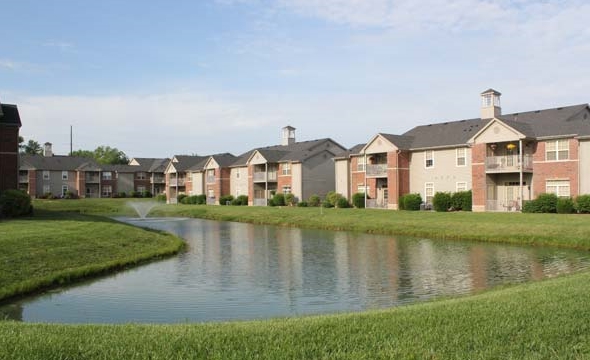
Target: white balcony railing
210	179
377	170
501	205
508	163
376	204
23	179
176	182
158	179
260	202
261	176
211	201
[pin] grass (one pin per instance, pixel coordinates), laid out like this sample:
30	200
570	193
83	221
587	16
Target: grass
542	320
549	319
53	248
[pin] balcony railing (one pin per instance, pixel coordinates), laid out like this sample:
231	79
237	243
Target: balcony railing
261	176
377	170
92	179
177	182
508	163
23	179
260	202
376	204
210	179
211	201
158	179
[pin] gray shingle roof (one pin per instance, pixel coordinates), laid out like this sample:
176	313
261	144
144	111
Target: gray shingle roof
55	163
400	141
298	151
186	162
151	164
9	115
225	159
444	134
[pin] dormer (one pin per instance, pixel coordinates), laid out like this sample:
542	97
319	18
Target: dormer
288	135
490	104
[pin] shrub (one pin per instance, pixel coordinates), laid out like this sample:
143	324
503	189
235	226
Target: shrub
461	200
313	201
122	194
546	203
70	195
201	199
411	202
278	199
401	205
583	204
528	206
136	194
241	200
327	204
190	200
342	203
565	206
290	199
146	194
15	203
302	204
161	197
332	197
180	198
441	201
358	200
226	199
47	195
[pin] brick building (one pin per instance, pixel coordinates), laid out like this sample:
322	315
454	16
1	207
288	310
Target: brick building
9	127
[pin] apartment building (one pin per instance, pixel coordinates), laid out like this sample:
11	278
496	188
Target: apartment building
503	158
180	172
10	124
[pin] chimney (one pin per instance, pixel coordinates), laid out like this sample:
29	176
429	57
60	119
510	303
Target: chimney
490	104
47	149
288	135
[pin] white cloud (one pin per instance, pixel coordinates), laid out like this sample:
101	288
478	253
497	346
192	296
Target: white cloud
62	45
9	64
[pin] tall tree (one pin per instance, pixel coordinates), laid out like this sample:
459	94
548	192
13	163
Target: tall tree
83	153
104	155
32	148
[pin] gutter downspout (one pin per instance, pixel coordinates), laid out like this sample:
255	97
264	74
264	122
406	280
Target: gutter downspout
365	169
177	180
396	180
520	173
579	169
266	183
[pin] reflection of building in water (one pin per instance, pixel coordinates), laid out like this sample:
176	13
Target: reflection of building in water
12	312
290	262
478	265
242	251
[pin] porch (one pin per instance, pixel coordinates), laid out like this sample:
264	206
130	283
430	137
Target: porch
505	193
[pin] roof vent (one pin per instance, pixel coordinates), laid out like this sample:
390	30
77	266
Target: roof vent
537	111
559	108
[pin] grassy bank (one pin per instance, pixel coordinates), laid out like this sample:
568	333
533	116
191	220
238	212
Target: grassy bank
54	248
532	229
543	320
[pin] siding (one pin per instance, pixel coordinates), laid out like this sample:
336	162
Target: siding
318	175
585	167
342	173
239	185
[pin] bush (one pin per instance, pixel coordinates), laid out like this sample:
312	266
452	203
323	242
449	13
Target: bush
70	195
146	194
461	200
15	203
241	200
411	202
332	197
342	203
201	199
583	204
313	201
278	199
226	199
136	194
192	200
161	197
528	206
290	199
122	194
565	206
327	204
180	198
441	201
302	204
358	200
544	203
47	195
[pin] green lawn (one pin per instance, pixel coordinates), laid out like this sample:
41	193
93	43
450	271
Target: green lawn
549	319
54	248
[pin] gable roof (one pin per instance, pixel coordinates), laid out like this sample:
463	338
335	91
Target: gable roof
224	159
55	163
9	115
298	151
150	164
186	162
400	141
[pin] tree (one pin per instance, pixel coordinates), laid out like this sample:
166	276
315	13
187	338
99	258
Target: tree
32	148
104	155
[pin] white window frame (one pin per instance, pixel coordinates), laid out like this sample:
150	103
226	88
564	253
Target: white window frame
237	173
561	188
46	175
104	192
426	159
141	175
556	147
64	175
64	190
105	177
286	189
286	168
464	157
461	186
427	186
46	189
360	164
211	193
361	188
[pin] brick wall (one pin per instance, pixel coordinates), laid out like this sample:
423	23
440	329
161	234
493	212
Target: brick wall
8	157
478	177
555	170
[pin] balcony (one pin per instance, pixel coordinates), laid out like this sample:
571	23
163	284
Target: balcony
260	202
261	176
507	206
377	170
376	204
508	163
92	179
211	201
177	182
158	179
23	179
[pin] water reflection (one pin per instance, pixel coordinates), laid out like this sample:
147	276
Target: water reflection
241	271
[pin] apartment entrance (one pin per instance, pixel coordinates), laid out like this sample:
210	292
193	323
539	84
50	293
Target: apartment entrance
503	192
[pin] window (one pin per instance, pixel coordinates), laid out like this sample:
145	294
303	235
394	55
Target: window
429	192
64	190
46	189
361	188
140	175
287	189
107	175
557	150
64	175
210	193
429	159
461	157
286	168
461	186
360	164
237	173
140	188
211	172
560	188
107	190
45	175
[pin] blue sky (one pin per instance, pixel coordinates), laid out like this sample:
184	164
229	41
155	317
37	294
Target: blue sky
156	78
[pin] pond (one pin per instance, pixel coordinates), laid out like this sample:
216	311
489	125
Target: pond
235	271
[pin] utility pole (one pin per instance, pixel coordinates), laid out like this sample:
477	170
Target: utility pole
71	143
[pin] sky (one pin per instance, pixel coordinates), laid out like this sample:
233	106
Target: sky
160	78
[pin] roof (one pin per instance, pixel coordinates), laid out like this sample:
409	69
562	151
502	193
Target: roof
492	91
224	159
9	115
400	141
55	163
186	162
568	120
296	152
150	164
